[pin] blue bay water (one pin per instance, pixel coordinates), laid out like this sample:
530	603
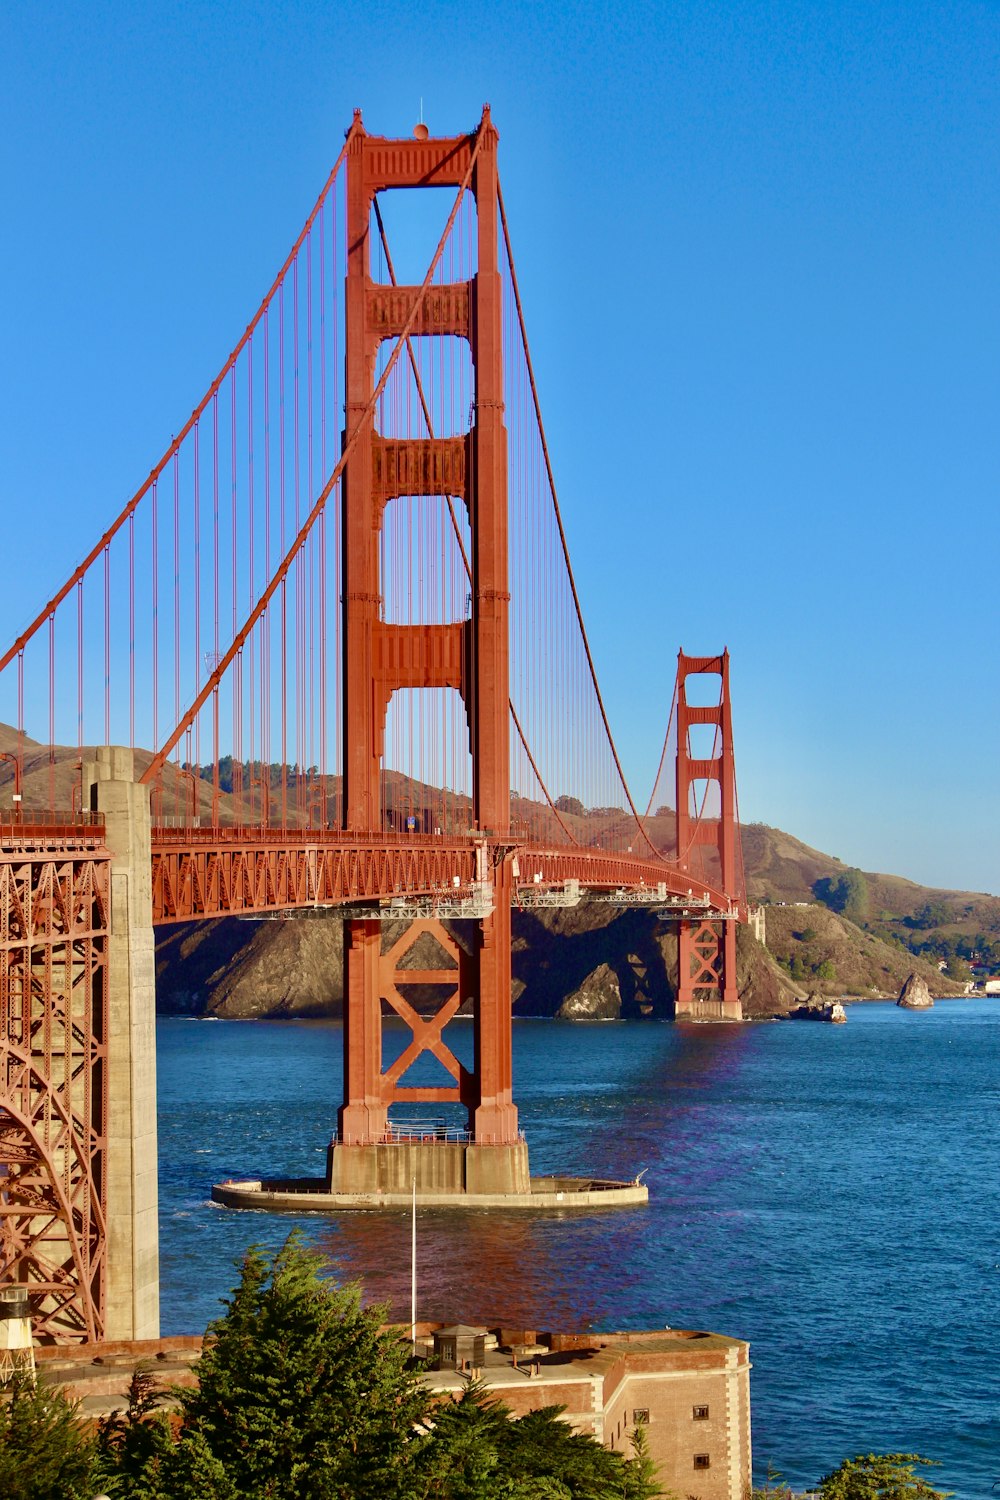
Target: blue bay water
828	1192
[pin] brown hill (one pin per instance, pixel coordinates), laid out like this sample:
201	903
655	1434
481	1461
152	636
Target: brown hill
780	868
863	965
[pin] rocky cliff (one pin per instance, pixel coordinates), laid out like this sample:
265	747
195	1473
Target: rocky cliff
589	962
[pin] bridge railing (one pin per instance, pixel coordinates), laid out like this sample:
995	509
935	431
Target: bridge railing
63	825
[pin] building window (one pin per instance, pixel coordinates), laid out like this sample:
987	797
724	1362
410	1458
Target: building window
702	1461
640	1416
699	1413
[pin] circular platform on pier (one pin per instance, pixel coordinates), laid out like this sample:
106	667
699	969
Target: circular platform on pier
310	1195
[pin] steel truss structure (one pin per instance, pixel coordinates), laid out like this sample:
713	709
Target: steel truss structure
225	872
54	921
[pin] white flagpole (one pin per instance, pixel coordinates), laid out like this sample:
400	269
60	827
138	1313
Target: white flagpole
413	1266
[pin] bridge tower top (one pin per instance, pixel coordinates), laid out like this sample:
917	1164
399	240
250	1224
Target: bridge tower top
470	468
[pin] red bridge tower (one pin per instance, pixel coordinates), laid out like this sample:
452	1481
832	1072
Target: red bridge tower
707	847
469	655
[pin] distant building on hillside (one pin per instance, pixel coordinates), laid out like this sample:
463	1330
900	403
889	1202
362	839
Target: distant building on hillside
690	1390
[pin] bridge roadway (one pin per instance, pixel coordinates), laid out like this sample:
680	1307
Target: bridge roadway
217	872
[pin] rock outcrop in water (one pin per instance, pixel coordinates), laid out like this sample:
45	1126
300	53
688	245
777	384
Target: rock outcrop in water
597	999
818	1009
915	994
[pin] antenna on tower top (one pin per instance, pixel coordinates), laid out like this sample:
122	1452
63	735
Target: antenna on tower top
420	130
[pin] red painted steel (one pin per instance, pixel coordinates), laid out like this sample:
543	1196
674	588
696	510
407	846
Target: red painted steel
358	436
54	916
200	873
472	657
379	977
453	317
706	984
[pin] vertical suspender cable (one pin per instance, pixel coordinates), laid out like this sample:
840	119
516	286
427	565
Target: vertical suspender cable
131	631
79	664
107	645
154	557
253	773
196	502
52	711
177	609
216	605
283	718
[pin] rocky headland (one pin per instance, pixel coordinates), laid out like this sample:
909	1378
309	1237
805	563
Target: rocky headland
591	962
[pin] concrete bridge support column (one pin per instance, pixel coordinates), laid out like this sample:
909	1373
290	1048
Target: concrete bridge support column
133	1267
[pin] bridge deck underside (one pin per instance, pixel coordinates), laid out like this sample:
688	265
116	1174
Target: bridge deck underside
222	874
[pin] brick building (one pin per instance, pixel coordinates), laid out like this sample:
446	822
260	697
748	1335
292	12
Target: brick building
691	1391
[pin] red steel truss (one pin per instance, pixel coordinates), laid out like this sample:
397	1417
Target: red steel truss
231	872
54	905
380	976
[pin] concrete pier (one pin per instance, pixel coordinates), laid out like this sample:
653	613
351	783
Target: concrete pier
436	1167
454	1174
311	1195
133	1265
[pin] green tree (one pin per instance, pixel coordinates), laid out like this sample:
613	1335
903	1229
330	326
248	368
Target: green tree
846	893
958	970
880	1476
826	970
304	1395
128	1440
476	1452
300	1391
571	805
541	1446
462	1457
179	1469
931	914
774	1486
797	968
642	1481
44	1450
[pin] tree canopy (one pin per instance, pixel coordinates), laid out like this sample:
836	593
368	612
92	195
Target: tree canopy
304	1394
880	1476
846	893
44	1450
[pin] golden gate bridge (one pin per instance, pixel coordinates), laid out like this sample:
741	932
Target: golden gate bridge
330	655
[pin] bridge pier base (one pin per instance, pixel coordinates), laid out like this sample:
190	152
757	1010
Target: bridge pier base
706	973
133	1265
437	1167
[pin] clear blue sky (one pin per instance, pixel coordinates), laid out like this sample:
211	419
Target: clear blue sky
758	246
